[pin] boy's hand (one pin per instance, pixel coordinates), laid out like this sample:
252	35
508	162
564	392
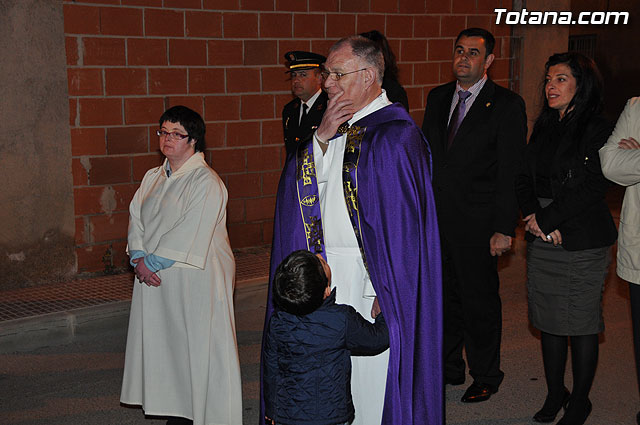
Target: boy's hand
375	308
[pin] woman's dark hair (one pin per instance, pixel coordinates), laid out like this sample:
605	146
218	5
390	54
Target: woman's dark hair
390	65
299	283
190	120
587	100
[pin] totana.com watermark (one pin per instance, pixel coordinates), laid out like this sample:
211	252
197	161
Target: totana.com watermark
525	17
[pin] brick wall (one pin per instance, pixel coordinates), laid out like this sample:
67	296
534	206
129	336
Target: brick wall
129	60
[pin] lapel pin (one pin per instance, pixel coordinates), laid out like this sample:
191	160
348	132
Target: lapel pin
488	104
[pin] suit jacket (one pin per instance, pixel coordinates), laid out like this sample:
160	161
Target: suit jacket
294	132
473	180
578	187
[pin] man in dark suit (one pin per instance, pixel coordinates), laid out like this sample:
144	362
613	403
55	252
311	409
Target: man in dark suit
302	115
477	132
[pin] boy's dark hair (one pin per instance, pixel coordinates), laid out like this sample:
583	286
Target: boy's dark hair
489	39
190	120
299	283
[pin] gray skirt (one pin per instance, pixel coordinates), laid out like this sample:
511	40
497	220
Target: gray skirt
565	288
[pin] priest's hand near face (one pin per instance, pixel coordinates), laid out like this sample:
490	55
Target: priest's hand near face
338	111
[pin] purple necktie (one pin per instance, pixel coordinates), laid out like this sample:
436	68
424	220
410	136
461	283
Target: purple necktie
458	115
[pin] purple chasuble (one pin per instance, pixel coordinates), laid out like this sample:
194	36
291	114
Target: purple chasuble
401	242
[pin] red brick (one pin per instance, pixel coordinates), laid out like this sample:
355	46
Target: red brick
452	25
340	24
167	23
142	164
103	51
446	72
464	6
222	108
153	3
438	6
243	80
87	141
73	112
358	6
426	73
270	182
240	25
291	5
260	208
418	116
87	200
260	52
272	132
308	26
235	211
282	100
500	30
245	235
405	73
204	24
206	80
229	161
71	49
322	46
366	23
285	46
108	227
257	5
100	111
426	26
167	80
323	6
399	26
275	79
84	82
276	25
80	176
243	134
81	19
187	52
413	50
439	49
143	110
413	6
81	236
263	158
221	4
225	52
479	21
120	21
183	4
216	133
98	1
125	81
415	98
109	170
501	48
146	51
384	6
121	140
193	102
267	231
257	106
244	185
499	69
90	258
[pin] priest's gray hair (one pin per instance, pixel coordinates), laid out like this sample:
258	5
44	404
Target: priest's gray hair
366	50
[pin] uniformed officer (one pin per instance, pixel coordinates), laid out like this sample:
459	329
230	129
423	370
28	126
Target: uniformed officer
302	116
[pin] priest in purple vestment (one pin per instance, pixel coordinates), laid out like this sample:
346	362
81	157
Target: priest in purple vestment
358	192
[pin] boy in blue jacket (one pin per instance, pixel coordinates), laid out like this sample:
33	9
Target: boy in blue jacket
309	341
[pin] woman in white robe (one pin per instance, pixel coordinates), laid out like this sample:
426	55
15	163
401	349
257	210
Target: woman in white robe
182	358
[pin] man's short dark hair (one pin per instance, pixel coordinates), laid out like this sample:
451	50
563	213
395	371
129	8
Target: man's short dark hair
489	40
299	283
190	120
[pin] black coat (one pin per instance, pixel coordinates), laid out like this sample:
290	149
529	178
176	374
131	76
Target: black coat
578	187
295	132
307	363
473	180
395	92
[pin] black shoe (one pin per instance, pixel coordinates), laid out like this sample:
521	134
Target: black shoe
576	413
638	418
551	408
179	421
454	381
477	392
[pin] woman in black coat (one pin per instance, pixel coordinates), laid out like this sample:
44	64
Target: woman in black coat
561	192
